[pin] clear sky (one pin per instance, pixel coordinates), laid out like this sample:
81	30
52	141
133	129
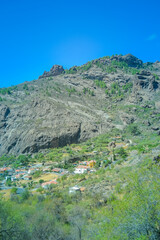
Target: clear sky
36	34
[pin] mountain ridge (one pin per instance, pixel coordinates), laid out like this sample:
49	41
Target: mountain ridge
71	106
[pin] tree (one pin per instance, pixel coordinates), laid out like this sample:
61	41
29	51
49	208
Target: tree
121	152
14	190
25	195
23	160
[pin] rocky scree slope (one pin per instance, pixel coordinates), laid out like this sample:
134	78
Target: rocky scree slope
69	106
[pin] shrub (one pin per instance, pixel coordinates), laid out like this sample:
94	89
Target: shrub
156	76
41	181
14	190
37	174
100	84
25	87
121	152
133	129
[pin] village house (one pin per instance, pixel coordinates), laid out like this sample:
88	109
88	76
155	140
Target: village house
47	184
32	170
27	177
81	169
46	169
64	172
57	170
13	178
74	189
82	189
6	170
19	176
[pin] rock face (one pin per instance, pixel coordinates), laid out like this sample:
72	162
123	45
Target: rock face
70	108
146	80
54	71
131	60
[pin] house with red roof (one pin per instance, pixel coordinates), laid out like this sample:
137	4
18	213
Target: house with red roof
47	184
57	170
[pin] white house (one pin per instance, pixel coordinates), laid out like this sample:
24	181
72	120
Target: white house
81	169
74	189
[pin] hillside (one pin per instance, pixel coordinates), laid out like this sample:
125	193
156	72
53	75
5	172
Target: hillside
71	106
80	153
42	197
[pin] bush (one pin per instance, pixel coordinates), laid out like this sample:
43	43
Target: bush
100	84
25	195
37	174
14	190
41	181
133	129
25	87
121	152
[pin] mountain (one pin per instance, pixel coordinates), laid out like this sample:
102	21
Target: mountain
71	106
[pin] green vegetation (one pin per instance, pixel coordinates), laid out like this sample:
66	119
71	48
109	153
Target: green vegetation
130	211
5	91
25	87
114	65
133	130
82	68
86	67
115	91
71	71
37	174
120	200
156	76
100	83
87	90
119	197
128	86
70	91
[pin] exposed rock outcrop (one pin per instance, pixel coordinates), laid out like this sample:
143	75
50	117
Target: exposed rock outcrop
131	60
77	105
54	71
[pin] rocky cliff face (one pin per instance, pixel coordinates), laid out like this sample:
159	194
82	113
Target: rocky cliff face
69	106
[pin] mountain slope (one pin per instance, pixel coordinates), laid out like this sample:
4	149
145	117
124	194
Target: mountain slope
69	106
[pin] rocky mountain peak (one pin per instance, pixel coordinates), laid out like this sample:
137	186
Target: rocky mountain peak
54	71
131	60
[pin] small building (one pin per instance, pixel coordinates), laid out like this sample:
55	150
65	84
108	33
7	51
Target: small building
7	170
46	169
81	169
31	170
57	170
19	170
82	189
27	177
20	176
13	178
74	189
47	184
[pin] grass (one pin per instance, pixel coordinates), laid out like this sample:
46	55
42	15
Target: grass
47	177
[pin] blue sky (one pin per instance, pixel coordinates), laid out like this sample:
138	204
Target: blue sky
36	34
